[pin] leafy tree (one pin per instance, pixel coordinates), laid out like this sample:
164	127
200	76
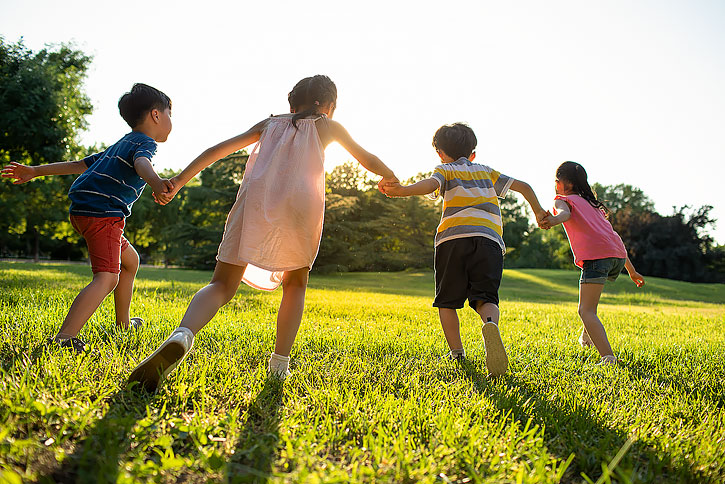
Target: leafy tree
42	110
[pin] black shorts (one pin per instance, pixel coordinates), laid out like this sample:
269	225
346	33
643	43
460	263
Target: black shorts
467	268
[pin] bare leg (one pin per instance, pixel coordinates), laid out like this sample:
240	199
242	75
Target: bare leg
124	289
488	310
294	286
451	327
207	301
589	295
86	303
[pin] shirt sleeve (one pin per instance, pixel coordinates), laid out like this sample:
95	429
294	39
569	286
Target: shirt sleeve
438	175
147	149
501	183
89	160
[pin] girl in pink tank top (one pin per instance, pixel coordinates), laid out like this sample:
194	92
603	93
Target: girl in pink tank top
273	231
598	250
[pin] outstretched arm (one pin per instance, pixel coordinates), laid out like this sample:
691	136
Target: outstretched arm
423	187
211	155
525	189
368	160
25	173
160	186
563	213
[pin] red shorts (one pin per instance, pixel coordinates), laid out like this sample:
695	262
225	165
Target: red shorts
104	236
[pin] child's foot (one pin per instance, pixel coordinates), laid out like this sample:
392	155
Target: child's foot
455	355
151	371
279	366
74	344
608	360
135	322
585	340
496	360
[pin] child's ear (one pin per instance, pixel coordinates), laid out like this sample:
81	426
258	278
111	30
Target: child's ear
154	115
472	157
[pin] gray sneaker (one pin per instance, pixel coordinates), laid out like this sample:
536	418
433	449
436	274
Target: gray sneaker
151	371
74	344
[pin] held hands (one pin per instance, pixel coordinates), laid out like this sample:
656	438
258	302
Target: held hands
392	189
21	173
162	193
543	220
385	182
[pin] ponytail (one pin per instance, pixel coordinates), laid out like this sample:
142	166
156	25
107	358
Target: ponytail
575	174
309	94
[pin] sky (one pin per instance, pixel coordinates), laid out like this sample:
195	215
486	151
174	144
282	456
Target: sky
632	89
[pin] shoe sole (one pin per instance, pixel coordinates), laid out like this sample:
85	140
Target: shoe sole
150	373
496	360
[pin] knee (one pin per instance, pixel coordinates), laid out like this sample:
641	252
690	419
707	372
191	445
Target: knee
107	280
584	312
130	260
296	280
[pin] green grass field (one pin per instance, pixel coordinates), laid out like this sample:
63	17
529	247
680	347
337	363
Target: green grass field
370	399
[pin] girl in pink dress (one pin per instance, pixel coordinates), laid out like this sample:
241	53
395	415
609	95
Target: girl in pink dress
273	231
598	249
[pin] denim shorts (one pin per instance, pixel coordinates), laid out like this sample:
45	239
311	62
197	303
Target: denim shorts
598	271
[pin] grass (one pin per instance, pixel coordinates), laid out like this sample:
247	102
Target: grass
370	399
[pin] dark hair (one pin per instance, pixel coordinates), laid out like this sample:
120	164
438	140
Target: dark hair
140	100
309	94
575	174
456	140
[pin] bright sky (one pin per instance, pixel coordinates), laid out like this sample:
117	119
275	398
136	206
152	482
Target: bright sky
633	90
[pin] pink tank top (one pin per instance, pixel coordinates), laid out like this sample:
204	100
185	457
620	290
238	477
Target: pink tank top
591	236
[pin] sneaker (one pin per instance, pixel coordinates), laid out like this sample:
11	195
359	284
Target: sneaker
608	360
584	340
279	366
457	356
151	371
135	322
496	360
74	344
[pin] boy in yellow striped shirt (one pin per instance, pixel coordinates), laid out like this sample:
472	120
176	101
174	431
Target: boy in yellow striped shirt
469	244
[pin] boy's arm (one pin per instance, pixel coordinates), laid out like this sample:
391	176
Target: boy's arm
368	160
525	189
145	170
25	173
423	187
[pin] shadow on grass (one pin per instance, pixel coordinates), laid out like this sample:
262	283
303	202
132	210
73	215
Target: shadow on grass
573	427
256	446
97	457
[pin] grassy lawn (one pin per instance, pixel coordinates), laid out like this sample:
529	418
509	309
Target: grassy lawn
370	399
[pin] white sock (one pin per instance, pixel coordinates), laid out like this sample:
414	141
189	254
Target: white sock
279	365
458	352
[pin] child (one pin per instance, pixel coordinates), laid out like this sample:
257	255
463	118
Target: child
273	231
469	244
101	199
598	250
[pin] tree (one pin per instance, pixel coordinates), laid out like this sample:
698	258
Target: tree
42	110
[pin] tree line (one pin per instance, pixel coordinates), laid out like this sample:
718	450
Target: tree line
43	108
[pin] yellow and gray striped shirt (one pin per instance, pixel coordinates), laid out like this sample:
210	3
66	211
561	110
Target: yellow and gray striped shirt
470	201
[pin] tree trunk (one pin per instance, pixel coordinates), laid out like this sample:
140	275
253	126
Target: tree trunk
36	251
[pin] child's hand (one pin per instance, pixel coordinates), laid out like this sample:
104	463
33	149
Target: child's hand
543	220
393	189
637	278
385	181
163	196
21	173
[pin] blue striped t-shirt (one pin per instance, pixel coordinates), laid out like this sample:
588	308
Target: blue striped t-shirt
110	184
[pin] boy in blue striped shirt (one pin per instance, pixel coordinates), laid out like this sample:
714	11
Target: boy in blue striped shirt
469	245
101	199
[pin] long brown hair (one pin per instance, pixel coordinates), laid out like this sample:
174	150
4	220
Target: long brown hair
575	174
311	93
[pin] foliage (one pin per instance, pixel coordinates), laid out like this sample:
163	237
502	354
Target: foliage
370	398
42	110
